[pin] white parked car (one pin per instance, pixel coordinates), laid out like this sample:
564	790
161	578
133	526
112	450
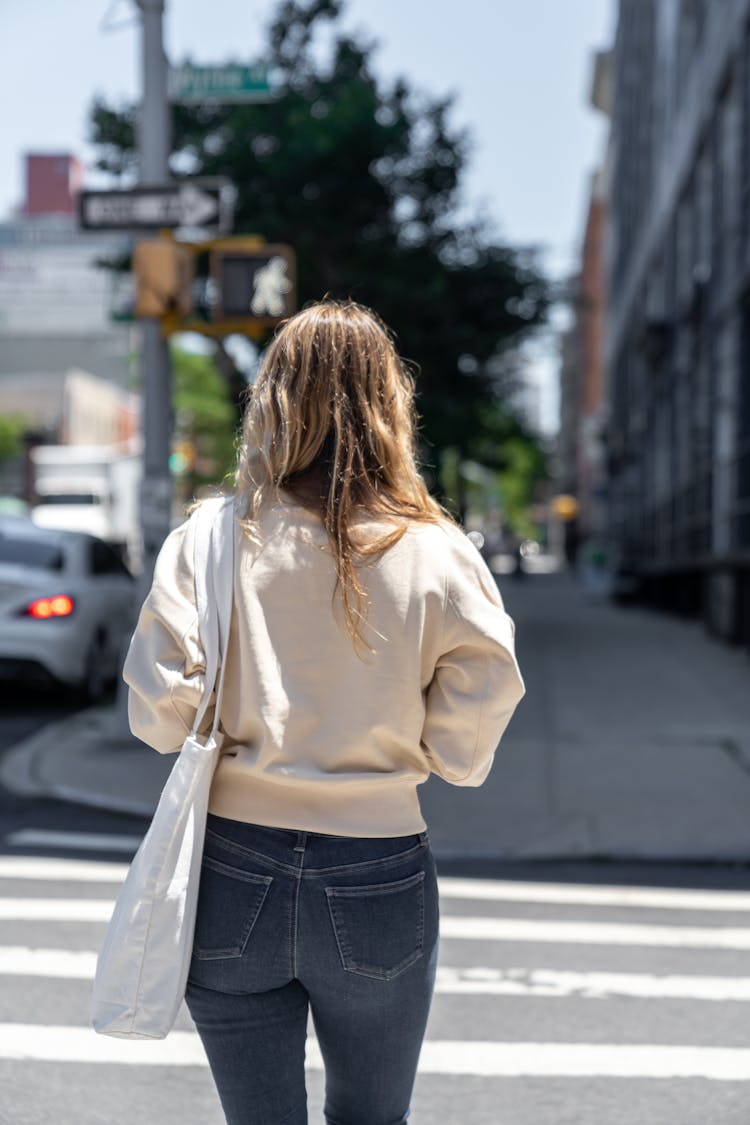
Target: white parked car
66	607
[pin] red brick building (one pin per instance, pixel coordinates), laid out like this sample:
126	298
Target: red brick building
53	181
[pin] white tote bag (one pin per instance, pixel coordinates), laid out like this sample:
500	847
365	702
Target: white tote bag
142	968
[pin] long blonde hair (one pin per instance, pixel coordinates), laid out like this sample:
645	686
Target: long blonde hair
333	409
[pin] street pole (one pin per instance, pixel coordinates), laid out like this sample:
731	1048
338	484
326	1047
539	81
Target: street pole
153	156
156	375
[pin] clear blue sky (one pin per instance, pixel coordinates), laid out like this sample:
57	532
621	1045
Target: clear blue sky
519	69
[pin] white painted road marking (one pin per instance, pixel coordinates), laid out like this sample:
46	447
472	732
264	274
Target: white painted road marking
469	1058
593	933
62	963
61	870
491	890
584	1060
21	960
451	926
661	898
81	841
590	986
82	1045
56	909
30	1042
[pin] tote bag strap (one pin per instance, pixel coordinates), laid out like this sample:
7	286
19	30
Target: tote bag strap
214	582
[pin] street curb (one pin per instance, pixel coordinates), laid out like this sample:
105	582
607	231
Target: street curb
21	770
19	767
44	766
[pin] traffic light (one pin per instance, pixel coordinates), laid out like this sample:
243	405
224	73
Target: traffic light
233	284
257	283
164	272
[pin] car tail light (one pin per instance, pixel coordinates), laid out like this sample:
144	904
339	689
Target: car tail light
58	606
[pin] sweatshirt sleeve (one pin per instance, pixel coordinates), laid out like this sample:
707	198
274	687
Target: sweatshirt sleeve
165	668
477	684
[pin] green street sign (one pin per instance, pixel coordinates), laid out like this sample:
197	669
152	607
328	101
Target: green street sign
232	83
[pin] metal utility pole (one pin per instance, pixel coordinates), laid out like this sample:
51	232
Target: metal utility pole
153	155
156	374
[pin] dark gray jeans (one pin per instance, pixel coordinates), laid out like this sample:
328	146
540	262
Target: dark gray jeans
344	926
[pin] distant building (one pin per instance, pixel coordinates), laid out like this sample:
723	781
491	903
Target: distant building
580	451
56	323
677	341
52	184
73	409
76	408
566	476
55	302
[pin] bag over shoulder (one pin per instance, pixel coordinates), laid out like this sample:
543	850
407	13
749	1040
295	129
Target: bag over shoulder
143	965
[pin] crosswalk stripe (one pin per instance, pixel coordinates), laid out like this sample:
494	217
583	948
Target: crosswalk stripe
594	933
20	960
662	898
82	1045
61	870
29	1042
491	890
79	841
584	1060
56	909
451	926
553	983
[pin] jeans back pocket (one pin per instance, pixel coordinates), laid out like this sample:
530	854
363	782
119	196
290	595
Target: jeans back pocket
229	903
379	929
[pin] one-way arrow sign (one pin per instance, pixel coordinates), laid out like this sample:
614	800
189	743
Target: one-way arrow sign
194	203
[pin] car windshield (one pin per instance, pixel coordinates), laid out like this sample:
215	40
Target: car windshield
30	552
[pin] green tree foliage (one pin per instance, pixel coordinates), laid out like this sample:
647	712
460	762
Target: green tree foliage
514	465
524	469
205	420
364	179
12	429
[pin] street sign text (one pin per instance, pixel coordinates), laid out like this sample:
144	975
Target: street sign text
232	83
193	203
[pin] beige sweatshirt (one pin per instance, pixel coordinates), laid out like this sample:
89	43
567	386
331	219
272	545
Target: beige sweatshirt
318	736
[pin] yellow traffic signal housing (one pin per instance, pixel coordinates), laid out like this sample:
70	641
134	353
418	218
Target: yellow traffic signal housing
252	285
164	272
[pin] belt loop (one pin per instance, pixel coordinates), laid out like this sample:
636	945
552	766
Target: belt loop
301	840
423	838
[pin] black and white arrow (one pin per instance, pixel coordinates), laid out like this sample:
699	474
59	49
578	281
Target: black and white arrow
189	204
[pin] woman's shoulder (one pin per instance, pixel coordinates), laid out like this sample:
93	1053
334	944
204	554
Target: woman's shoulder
442	535
440	546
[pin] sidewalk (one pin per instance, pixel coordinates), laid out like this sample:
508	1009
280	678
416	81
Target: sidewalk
633	742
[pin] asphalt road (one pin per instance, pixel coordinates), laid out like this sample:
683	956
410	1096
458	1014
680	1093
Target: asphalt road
566	996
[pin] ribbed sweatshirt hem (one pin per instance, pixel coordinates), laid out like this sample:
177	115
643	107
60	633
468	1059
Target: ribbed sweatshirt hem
331	807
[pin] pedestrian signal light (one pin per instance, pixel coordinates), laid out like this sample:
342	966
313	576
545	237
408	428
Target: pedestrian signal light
257	284
164	272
